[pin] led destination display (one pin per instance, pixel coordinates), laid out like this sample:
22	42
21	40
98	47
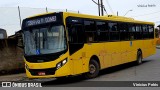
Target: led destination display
55	18
41	21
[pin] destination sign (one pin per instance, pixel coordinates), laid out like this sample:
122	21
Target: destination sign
42	20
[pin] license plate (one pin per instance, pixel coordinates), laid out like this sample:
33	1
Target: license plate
41	73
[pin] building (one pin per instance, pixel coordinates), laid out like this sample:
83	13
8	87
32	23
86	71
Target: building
3	34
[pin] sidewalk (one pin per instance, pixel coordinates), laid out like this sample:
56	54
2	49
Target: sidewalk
14	77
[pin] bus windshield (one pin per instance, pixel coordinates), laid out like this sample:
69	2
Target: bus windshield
44	40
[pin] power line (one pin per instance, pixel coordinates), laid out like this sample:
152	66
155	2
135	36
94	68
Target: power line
153	18
105	9
109	6
146	14
99	12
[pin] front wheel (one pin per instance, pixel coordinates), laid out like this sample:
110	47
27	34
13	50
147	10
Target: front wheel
93	69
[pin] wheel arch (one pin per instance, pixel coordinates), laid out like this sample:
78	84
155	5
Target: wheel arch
96	59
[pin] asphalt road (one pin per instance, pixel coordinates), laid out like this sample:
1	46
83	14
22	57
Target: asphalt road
149	70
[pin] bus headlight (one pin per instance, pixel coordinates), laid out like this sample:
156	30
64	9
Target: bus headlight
27	67
62	63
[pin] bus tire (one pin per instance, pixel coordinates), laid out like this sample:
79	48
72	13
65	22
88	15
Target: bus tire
93	69
139	58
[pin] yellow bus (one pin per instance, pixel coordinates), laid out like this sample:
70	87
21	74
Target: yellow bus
64	44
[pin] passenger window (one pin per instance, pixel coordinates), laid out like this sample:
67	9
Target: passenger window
139	33
123	27
132	31
112	27
114	33
102	31
151	32
145	32
90	31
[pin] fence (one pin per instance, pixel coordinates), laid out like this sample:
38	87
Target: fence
11	56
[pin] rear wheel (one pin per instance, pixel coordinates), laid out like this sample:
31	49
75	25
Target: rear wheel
139	58
93	69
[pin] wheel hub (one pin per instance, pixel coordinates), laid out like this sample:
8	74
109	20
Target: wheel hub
92	69
139	59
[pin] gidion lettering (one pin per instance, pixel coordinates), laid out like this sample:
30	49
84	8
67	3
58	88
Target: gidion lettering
41	21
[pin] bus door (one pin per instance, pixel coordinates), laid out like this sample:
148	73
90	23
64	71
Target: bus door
76	42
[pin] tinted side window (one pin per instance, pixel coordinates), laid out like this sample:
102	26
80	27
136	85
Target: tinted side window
123	27
114	33
145	31
151	32
139	32
112	26
102	31
90	31
132	31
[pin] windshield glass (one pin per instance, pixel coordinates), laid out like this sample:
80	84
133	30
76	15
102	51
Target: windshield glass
44	40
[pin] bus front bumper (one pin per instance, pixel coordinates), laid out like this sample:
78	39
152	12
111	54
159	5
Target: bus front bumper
48	73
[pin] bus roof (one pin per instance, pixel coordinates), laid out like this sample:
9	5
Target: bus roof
107	17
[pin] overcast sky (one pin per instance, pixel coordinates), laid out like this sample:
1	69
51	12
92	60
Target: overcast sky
147	10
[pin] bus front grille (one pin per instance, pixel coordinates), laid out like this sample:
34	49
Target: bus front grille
49	71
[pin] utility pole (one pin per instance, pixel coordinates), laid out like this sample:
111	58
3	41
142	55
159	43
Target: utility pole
19	12
102	13
46	10
101	7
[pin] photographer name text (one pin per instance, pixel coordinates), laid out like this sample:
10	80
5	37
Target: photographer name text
146	5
